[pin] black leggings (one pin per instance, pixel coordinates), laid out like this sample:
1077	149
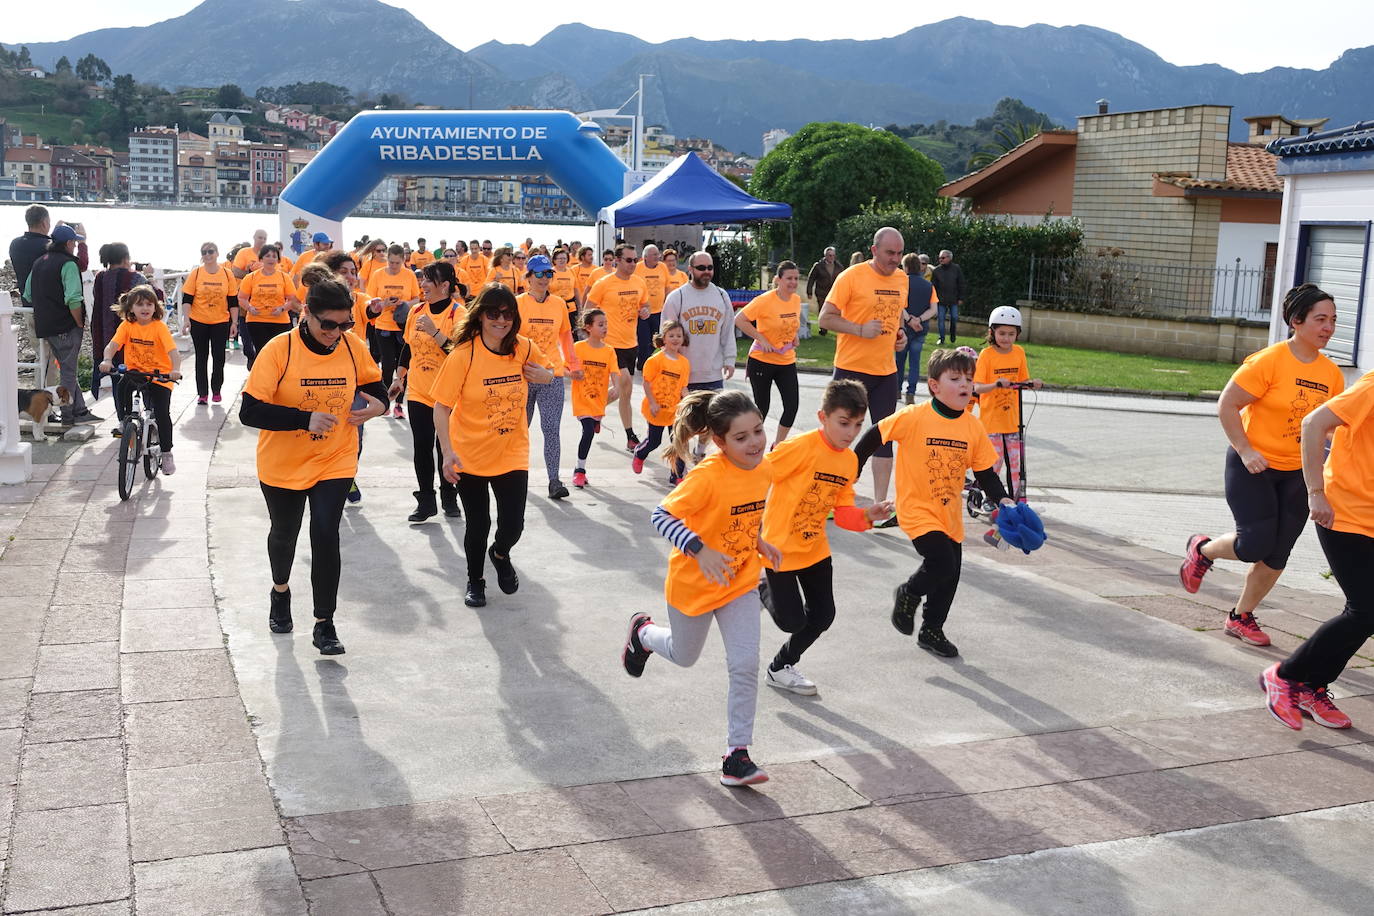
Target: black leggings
584	445
1270	509
260	332
652	440
806	621
156	397
942	557
762	376
209	340
286	508
389	348
510	489
428	455
1323	656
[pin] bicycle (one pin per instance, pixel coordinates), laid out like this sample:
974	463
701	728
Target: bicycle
138	431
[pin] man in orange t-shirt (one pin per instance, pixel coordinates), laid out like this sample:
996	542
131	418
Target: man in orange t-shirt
654	273
625	300
321	245
421	256
864	308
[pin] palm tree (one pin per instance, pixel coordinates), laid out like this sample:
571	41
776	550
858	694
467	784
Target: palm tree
1005	139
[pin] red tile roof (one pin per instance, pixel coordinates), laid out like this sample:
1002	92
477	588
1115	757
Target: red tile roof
1248	168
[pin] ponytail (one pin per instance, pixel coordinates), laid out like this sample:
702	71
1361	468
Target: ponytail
704	411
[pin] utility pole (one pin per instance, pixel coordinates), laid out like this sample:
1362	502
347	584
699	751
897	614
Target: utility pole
639	126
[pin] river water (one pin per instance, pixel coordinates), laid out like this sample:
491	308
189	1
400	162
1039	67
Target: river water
170	239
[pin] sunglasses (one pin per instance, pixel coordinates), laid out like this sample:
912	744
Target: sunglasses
543	274
495	313
450	254
703	267
629	260
327	325
205	251
486	249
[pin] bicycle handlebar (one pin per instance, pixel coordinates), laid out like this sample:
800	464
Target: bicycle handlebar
154	375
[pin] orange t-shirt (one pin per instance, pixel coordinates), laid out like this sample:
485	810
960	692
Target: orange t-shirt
287	372
368	267
997	408
1288	390
655	281
545	323
486	392
509	277
210	294
246	259
564	286
810	478
778	321
421	259
426	356
147	347
1349	471
667	378
596	273
582	274
267	293
676	278
621	300
862	295
933	455
384	285
589	392
723	504
360	319
472	270
307	258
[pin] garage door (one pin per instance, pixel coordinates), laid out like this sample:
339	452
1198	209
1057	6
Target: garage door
1335	262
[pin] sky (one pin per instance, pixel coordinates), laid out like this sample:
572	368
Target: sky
1254	36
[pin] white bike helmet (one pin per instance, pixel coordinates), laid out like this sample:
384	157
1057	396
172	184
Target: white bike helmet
1005	314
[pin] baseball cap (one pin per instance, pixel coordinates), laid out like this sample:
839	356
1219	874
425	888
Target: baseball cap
538	263
322	237
66	234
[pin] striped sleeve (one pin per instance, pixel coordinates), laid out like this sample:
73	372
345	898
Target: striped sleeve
678	534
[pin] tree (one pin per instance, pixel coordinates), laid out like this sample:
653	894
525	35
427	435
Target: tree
830	170
24	60
126	100
92	69
1004	139
78	130
230	96
63	65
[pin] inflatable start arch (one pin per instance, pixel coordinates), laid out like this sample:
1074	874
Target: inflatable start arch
376	144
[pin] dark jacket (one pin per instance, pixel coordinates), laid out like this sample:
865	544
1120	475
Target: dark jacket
28	248
51	314
917	295
950	284
821	278
108	287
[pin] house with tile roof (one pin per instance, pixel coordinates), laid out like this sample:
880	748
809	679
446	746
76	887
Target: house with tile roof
1325	232
1164	186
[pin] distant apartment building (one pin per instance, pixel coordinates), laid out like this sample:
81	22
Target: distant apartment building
772	138
104	157
76	175
224	130
31	167
197	178
233	182
268	163
297	159
153	165
190	140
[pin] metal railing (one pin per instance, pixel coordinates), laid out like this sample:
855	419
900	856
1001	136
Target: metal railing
1124	287
16	457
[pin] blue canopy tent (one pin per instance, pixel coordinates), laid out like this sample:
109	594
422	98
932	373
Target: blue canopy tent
689	191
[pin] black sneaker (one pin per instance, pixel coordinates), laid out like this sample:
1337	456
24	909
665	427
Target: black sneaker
557	490
476	595
505	572
87	417
634	655
448	501
425	506
279	617
933	640
354	495
326	639
904	605
739	770
889	522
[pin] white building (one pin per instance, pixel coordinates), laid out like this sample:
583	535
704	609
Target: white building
153	165
772	138
1328	208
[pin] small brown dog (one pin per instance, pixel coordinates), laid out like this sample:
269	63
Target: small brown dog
36	404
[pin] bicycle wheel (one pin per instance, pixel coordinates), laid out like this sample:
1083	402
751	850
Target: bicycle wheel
128	457
152	455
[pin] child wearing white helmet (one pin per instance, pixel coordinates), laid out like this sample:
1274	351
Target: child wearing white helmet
1001	363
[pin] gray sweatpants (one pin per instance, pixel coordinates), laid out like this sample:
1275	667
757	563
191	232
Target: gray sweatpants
682	640
65	348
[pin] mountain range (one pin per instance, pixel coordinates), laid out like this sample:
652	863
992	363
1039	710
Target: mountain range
728	90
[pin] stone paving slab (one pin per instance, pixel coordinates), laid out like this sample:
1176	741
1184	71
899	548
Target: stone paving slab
220	806
89	666
559	817
520	884
186	732
67	774
73	624
254	882
74	716
146	629
67	857
155	677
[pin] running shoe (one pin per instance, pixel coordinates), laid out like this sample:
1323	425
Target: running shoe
596	427
1282	697
634	655
354	495
279	613
933	640
631	441
1316	702
202	400
1246	628
889	522
904	605
506	577
673	479
169	465
579	479
476	595
216	397
739	770
792	680
637	464
1195	565
557	490
398	413
326	639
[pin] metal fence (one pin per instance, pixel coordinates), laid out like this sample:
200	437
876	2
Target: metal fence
1151	288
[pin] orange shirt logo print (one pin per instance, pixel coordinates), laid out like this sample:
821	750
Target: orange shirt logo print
816	503
886	304
504	413
946	466
323	394
1302	405
742	536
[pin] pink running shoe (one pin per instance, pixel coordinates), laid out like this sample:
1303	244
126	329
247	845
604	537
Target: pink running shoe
579	479
1316	702
637	464
1282	697
216	397
1195	565
1246	628
200	399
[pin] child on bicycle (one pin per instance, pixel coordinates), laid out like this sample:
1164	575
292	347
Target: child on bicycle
1001	364
148	347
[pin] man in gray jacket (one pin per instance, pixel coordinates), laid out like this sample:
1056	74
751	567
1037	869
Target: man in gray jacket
710	319
950	287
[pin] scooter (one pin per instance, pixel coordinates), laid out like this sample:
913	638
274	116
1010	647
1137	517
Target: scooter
976	501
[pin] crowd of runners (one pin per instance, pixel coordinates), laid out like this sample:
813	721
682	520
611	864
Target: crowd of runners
468	341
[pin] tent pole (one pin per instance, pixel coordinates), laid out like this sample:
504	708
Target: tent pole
791	241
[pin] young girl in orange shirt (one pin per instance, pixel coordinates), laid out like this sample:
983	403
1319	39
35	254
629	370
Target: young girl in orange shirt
1001	363
148	347
665	379
712	520
591	392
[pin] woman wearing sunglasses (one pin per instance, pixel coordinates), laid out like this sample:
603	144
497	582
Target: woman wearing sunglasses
479	417
309	392
210	295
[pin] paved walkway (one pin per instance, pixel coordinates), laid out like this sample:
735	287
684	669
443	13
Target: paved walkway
161	752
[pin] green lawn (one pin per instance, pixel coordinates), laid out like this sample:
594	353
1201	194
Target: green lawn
1070	366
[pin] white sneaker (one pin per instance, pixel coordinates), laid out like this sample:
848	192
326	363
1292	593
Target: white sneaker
790	678
169	467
